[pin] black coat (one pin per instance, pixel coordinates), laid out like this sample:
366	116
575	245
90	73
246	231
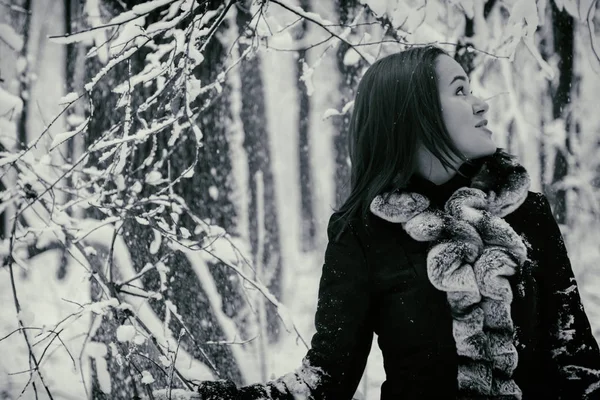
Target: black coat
374	280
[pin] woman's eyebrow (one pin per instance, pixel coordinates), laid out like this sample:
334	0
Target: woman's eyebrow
458	77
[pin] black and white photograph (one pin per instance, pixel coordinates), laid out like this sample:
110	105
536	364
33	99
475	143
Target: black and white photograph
299	199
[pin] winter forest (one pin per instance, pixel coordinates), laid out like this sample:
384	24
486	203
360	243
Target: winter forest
168	169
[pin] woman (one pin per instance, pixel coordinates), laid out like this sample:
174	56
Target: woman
442	251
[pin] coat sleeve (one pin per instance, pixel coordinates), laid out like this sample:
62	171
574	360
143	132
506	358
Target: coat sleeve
571	347
340	347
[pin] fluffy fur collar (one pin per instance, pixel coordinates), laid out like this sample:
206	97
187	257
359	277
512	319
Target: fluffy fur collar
473	253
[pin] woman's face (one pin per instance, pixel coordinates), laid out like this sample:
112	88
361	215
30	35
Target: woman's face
462	112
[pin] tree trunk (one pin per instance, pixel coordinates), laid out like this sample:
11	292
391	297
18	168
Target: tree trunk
24	78
266	250
349	81
307	221
562	46
207	195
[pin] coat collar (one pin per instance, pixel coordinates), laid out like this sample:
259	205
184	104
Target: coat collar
504	182
438	194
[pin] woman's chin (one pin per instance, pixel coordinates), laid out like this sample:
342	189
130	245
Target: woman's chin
482	151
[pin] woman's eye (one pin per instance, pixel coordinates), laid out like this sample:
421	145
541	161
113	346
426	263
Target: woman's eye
461	91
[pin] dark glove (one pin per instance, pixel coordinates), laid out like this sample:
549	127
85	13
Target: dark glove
222	389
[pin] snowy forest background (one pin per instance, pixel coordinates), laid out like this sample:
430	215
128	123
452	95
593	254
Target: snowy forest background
168	169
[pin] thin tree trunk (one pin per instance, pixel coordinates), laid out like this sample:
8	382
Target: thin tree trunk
563	31
256	143
348	83
24	80
307	221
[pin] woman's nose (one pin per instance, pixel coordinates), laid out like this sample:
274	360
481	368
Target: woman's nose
480	106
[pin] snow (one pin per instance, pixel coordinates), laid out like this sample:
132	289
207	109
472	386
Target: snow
126	333
41	294
155	245
351	57
130	33
68	98
87	36
164	361
10	105
139	10
519	101
213	192
141	135
62	137
330	112
467	6
571	6
185	233
147	377
7	158
300	12
100	307
379	7
153	178
176	394
230	331
97	351
139	340
306	77
75	119
113	61
11	38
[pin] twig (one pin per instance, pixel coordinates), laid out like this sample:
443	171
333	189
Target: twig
15	7
170	384
308	18
110	24
590	23
214	27
111	291
136	276
118	226
56	336
18	309
19	330
45	131
229	342
157	365
260	288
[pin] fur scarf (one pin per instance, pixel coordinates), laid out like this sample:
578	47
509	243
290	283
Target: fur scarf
474	252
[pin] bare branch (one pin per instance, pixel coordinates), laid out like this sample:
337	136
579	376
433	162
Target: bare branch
590	23
170	382
19	330
298	12
32	356
117	21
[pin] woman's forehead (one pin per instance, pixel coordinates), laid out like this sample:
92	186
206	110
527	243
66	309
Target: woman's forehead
448	70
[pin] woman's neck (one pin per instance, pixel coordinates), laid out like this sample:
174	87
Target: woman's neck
431	168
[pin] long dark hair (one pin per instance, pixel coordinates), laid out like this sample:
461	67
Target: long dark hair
396	108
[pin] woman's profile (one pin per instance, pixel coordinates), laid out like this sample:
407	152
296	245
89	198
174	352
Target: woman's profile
443	251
